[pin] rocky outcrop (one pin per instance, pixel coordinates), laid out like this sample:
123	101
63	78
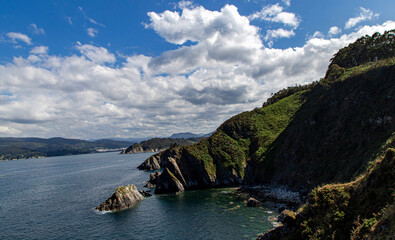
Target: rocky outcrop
138	149
159	160
252	202
123	197
168	182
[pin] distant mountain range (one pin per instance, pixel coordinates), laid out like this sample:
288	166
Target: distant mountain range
19	148
190	135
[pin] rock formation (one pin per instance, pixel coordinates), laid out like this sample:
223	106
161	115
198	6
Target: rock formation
153	180
160	160
167	182
123	197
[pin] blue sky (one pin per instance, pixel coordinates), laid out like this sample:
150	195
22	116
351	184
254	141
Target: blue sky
95	69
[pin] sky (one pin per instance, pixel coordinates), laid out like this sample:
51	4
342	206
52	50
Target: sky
127	69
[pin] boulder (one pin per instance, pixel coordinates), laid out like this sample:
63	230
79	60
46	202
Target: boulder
252	202
122	198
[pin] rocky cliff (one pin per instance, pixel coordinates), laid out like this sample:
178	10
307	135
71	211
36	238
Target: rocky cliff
331	131
323	134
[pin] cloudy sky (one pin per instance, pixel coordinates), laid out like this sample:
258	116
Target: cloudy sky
99	69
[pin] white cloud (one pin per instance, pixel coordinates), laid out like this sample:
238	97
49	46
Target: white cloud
90	19
318	34
39	50
279	33
92	32
36	30
287	2
184	4
192	88
364	14
96	54
69	20
334	30
275	13
19	37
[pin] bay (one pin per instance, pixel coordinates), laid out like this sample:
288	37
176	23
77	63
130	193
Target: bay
55	198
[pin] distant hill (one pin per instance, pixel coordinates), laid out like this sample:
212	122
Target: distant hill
159	144
19	148
185	135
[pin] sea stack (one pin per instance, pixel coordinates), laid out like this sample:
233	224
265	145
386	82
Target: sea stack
123	197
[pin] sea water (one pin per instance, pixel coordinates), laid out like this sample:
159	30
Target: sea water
55	198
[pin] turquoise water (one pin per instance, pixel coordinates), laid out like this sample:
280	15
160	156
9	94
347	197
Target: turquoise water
55	198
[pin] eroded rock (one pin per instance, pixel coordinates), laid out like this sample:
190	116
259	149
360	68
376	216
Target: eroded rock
123	197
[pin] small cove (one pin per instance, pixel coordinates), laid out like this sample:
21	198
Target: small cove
54	198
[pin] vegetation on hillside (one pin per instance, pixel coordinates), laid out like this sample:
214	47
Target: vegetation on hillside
361	209
366	49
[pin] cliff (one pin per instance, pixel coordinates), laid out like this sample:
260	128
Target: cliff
303	136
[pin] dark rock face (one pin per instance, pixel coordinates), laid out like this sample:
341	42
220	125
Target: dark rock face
122	198
145	193
252	202
168	182
153	180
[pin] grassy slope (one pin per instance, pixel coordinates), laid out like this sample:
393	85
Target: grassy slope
245	138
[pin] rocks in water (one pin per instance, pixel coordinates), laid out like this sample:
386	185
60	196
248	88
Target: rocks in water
168	182
145	193
252	202
123	197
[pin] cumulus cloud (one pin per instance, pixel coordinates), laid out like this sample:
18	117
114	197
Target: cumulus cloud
192	88
36	30
364	14
184	4
96	54
279	33
275	13
16	37
39	50
334	30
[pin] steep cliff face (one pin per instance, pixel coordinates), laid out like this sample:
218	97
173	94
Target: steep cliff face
362	209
